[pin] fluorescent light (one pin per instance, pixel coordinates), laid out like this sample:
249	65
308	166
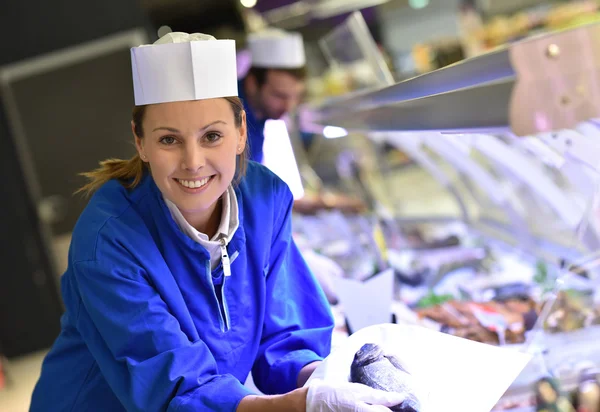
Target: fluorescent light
278	156
418	4
333	132
328	8
248	3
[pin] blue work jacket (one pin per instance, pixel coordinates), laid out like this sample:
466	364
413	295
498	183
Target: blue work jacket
144	329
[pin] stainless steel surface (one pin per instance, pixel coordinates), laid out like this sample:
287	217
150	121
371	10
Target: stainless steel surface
483	69
543	83
482	107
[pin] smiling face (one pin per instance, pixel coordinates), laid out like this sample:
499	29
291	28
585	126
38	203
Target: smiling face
191	148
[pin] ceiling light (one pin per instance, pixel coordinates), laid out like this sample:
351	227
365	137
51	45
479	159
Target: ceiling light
333	132
248	3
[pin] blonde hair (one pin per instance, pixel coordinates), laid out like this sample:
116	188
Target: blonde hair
131	171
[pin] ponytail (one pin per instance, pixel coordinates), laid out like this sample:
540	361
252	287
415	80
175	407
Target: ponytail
128	172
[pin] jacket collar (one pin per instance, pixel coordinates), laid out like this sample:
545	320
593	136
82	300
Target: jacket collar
164	214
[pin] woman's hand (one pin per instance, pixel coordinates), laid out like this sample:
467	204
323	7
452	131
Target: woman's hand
349	397
324	397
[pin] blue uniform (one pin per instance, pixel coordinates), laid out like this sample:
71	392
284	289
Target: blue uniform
256	127
144	329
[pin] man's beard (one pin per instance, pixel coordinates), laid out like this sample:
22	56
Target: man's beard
276	116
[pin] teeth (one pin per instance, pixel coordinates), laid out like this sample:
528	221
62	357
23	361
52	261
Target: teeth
194	184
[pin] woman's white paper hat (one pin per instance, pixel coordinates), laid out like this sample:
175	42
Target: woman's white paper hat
181	66
277	49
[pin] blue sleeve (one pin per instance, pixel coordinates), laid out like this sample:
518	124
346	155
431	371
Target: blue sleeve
149	363
298	321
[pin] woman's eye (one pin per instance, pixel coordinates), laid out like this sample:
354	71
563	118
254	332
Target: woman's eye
212	137
168	140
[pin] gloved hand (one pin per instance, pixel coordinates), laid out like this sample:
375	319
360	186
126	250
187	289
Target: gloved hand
348	397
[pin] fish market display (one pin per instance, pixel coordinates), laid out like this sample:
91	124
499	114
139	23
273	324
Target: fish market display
552	394
506	318
372	367
588	391
549	397
572	310
490	322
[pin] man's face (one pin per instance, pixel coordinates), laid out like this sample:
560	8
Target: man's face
281	93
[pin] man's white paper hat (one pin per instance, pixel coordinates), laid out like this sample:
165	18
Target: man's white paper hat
181	66
277	49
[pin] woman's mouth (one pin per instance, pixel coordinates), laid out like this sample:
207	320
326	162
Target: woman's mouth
194	185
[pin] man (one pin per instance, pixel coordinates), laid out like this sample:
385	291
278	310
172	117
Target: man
273	87
274	84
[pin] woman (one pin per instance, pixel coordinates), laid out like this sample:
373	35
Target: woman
183	276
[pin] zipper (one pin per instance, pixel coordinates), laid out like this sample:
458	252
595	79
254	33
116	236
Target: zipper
225	257
210	280
226	265
225	306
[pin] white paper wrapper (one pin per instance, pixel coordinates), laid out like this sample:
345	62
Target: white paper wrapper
454	374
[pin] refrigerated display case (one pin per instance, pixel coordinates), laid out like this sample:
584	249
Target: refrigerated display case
509	141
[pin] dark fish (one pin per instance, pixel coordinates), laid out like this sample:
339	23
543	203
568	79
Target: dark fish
373	368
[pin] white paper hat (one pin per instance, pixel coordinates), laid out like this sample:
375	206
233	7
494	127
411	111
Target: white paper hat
181	66
277	49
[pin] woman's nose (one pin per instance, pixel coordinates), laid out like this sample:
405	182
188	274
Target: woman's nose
193	158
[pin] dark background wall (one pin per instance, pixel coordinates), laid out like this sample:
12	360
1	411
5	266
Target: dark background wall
29	301
30	304
29	28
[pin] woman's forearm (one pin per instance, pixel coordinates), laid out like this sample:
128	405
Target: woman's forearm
306	372
294	401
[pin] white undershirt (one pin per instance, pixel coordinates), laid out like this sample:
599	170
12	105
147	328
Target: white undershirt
229	224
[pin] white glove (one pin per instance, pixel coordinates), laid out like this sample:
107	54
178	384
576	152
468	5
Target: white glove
348	397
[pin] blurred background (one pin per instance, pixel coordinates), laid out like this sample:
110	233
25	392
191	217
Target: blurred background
66	100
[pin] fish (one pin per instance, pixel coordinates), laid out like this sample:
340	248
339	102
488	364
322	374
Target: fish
378	370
